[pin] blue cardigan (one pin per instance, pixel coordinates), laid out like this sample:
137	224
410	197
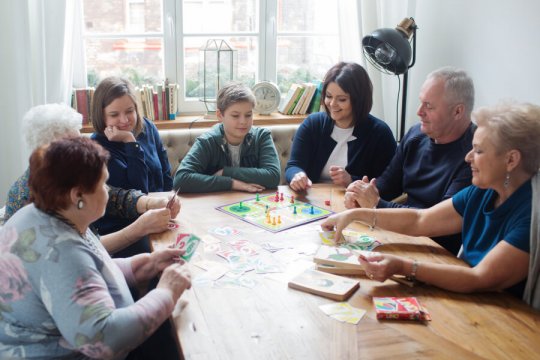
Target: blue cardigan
142	165
368	154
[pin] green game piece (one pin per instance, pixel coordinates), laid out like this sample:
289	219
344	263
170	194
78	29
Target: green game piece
311	211
241	206
266	209
257	197
294	210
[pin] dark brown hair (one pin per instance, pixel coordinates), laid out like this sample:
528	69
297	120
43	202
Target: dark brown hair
62	165
108	90
355	81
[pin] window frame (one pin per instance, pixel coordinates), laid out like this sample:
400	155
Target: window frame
172	36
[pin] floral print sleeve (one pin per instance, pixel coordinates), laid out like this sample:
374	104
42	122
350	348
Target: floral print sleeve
122	203
63	295
18	195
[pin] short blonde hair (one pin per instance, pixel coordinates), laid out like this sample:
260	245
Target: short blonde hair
45	123
516	126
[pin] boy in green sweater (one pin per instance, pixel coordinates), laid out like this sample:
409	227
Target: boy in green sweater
232	155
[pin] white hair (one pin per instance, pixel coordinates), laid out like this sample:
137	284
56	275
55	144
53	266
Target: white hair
45	123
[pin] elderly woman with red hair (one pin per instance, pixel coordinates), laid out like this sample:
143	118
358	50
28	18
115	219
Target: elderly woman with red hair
62	295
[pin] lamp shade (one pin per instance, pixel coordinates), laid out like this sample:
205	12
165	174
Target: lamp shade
389	49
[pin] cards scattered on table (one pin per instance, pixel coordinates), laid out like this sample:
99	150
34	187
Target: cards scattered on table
400	308
343	312
224	231
352	239
243	247
188	243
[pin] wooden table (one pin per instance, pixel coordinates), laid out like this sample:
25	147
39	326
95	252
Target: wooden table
271	321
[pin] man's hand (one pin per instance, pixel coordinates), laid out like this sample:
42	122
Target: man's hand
364	192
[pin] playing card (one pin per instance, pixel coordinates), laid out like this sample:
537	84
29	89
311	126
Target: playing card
188	243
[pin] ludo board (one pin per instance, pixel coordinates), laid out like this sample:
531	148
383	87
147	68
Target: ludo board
275	212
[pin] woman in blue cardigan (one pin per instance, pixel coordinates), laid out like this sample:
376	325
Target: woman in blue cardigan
345	142
138	159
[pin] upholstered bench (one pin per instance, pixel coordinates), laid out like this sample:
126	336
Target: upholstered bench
177	142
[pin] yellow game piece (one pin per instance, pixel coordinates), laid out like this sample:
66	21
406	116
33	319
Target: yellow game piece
279	219
274	220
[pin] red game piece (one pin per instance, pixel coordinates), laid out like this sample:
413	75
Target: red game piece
292	199
277	196
281	197
327	202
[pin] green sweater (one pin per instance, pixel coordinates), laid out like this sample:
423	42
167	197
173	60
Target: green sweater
259	163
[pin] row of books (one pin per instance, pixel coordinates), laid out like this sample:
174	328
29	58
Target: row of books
155	103
302	99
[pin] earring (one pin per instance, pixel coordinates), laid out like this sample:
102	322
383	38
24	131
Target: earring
80	204
507	180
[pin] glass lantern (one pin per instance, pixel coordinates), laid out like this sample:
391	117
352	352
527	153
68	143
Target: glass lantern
217	61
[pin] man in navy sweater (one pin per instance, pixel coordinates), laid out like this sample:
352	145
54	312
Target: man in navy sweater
429	165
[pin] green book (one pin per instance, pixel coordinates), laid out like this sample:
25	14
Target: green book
315	105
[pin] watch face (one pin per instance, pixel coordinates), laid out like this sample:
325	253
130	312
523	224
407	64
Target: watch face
268	97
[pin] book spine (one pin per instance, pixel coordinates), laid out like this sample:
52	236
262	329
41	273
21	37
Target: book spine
172	101
316	102
156	105
297	98
82	104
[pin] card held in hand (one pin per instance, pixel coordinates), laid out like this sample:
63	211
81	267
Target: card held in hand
188	243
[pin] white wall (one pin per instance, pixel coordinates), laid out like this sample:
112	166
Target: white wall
15	98
496	42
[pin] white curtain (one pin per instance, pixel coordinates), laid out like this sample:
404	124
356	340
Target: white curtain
37	46
359	18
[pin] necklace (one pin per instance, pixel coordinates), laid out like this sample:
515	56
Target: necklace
88	240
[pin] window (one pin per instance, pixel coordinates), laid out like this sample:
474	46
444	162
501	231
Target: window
284	41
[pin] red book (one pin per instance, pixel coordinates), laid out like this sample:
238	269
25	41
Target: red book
396	308
82	104
156	105
165	114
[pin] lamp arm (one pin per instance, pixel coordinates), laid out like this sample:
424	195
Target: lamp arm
413	48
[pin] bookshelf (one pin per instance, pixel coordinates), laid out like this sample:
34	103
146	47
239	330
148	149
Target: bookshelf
198	121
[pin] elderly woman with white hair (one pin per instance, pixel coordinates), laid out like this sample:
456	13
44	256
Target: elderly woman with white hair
45	123
493	214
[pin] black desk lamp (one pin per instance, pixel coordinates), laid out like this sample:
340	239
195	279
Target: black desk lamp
389	51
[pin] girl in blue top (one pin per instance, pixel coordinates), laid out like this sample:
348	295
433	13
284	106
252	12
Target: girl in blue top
494	214
138	159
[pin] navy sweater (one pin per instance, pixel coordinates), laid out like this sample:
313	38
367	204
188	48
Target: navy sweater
428	172
368	154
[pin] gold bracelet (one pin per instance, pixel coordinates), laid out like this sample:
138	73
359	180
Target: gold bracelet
374	221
